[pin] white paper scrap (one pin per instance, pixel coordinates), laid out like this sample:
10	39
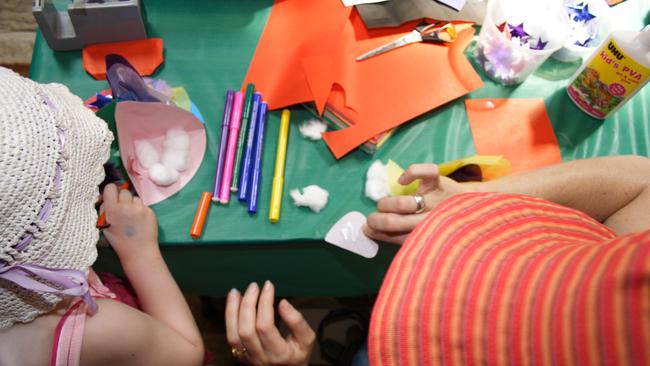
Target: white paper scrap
347	234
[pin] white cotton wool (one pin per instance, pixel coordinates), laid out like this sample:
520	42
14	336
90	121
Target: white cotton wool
162	175
177	139
176	159
312	196
312	129
377	181
146	153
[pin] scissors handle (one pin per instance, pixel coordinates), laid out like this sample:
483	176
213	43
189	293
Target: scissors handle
437	32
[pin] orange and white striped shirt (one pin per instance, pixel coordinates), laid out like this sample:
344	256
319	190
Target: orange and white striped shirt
501	279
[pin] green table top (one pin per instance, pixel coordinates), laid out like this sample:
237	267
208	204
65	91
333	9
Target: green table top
208	45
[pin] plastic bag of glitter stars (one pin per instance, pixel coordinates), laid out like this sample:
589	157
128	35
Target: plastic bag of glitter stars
588	25
517	36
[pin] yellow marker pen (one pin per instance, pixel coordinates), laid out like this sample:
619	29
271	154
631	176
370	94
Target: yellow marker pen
278	176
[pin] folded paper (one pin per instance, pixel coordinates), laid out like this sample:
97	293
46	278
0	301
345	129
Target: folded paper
145	55
518	129
347	234
151	121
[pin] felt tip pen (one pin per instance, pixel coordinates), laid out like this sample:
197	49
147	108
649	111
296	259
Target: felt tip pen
256	170
199	217
235	121
278	175
245	119
225	123
101	220
245	175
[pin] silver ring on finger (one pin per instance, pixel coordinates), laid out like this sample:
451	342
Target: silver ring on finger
419	203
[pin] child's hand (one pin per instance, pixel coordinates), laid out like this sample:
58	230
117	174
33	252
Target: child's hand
133	230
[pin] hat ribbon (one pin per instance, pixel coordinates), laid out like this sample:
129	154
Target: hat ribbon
71	281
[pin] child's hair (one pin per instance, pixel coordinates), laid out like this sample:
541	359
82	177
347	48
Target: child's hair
52	152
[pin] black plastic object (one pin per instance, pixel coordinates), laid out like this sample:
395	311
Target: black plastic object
125	82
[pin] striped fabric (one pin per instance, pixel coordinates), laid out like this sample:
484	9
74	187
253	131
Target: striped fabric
513	280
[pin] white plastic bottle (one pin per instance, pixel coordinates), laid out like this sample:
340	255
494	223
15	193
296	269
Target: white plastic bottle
613	74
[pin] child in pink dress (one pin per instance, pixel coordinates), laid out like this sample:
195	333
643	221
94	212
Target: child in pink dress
53	309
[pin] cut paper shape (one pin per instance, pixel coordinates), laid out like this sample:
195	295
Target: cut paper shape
294	30
518	129
180	98
492	166
390	89
318	63
455	4
151	121
393	172
347	234
145	55
357	2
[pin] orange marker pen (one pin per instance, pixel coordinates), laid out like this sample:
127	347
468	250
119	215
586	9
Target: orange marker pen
101	220
201	212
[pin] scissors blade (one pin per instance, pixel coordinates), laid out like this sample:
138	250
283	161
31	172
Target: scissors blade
412	37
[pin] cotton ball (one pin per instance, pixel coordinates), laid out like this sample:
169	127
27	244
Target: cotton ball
177	139
146	153
312	129
312	196
162	175
377	181
176	159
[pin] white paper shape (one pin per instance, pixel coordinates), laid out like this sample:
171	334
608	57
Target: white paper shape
347	3
347	234
456	4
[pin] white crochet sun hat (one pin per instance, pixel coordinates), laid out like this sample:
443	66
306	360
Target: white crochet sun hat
52	151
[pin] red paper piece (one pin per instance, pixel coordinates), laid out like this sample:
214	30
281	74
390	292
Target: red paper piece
395	87
295	29
145	55
518	129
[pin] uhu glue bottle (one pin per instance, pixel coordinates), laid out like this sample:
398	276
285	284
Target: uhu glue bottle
613	74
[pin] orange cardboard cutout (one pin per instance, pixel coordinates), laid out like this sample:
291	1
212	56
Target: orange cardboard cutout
395	87
518	129
144	54
295	29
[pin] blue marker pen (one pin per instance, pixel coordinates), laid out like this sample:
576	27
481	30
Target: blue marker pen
244	178
257	164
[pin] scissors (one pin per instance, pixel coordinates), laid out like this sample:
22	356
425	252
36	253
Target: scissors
424	32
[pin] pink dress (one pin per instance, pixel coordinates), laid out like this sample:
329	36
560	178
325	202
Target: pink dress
68	335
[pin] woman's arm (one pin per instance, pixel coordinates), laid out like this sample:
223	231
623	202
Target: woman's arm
613	190
133	233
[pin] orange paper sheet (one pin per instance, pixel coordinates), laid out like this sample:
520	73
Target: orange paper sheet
518	129
295	29
307	53
145	55
393	88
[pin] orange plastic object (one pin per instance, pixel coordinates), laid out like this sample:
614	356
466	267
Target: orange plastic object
145	55
199	217
518	129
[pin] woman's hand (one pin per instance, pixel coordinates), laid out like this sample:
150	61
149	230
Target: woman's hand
396	216
253	336
133	230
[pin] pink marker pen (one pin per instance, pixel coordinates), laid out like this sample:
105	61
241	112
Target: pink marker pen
233	137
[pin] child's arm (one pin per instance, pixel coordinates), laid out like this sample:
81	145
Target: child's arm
133	233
